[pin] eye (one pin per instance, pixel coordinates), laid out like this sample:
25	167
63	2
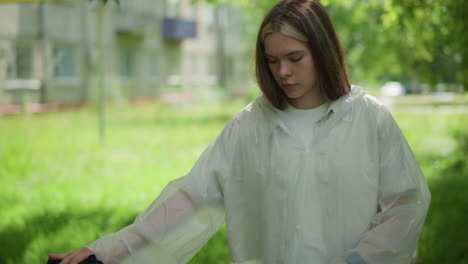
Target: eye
295	59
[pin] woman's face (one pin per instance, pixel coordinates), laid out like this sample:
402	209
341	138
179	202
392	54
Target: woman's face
292	66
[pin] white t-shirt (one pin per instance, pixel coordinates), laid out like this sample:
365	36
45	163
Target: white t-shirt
302	122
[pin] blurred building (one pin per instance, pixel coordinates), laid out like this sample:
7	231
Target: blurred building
49	53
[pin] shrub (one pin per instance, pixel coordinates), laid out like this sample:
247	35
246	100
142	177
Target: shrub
444	237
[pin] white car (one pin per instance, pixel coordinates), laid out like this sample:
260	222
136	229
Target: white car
392	89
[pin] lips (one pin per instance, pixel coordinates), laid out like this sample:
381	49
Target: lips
289	85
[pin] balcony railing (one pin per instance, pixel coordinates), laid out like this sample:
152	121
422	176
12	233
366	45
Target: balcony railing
178	29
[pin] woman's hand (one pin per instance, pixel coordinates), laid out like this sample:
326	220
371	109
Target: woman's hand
74	257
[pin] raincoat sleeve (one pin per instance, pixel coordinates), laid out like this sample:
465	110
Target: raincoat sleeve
186	214
403	202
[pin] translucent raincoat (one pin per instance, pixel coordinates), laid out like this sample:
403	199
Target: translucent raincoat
356	193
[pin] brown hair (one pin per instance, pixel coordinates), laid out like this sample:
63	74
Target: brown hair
309	20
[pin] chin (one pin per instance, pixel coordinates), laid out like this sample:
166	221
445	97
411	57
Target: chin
292	95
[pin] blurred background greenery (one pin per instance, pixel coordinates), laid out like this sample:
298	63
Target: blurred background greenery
60	188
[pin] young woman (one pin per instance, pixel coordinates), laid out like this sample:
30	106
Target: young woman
313	171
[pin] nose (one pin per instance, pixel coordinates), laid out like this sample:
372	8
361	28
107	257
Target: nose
284	70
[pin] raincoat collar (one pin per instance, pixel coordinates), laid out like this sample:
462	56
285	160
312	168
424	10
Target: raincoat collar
340	108
343	106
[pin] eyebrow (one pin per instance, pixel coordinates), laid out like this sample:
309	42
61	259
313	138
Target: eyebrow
288	54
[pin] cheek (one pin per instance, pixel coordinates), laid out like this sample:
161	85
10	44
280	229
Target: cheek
307	71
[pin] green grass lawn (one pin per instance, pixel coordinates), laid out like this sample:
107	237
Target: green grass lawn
60	189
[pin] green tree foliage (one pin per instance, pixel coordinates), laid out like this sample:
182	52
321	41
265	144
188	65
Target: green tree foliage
414	41
434	32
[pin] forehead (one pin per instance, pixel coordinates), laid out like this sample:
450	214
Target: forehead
278	44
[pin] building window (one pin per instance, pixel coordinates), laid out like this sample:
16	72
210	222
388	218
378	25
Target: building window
20	64
127	63
65	61
207	16
172	8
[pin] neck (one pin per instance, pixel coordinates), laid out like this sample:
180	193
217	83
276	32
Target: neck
307	103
